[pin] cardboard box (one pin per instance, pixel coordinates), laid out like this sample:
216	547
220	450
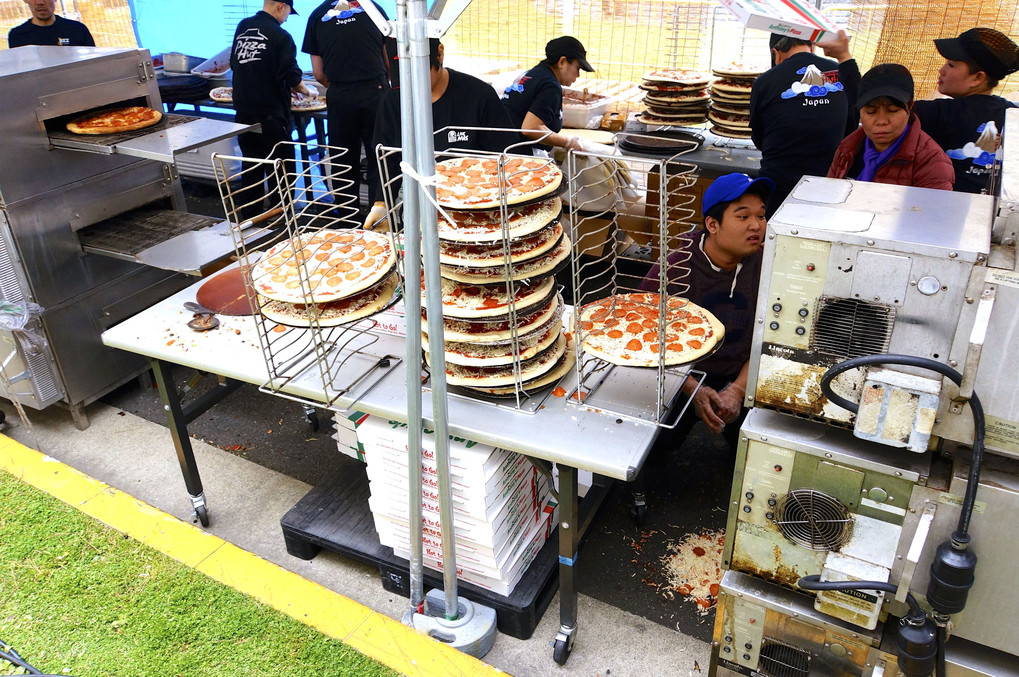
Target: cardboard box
795	18
347	423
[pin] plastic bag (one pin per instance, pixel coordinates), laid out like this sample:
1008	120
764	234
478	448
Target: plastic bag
14	317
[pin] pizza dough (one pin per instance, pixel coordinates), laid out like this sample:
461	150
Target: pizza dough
308	104
689	78
483	255
474	182
333	313
525	270
558	370
115	121
486	226
325	266
623	329
491	355
474	301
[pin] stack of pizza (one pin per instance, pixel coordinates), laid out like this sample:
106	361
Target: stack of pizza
490	332
730	99
625	329
326	278
675	97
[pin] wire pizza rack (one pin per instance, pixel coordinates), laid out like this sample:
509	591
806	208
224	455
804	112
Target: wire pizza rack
280	205
627	217
521	394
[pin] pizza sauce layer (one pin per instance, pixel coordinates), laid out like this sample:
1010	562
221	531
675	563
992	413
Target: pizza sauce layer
474	183
332	313
475	301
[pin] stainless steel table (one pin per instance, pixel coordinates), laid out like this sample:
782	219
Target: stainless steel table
574	437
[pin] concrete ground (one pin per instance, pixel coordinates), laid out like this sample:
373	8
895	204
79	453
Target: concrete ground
247	500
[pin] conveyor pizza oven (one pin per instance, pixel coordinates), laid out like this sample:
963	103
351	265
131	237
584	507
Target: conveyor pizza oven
85	221
854	269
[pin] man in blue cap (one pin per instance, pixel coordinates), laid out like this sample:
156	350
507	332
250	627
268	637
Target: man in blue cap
724	263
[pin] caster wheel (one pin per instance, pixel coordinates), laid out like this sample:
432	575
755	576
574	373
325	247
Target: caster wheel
639	513
203	515
561	652
312	417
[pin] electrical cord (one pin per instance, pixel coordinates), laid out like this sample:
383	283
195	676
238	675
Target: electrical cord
941	670
961	534
815	583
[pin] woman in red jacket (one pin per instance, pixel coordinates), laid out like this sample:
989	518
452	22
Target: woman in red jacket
890	147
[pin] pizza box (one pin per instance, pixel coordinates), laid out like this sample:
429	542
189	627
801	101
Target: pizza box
471	502
466	454
347	423
795	18
465	483
392	321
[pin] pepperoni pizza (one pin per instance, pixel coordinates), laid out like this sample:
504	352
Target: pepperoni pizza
624	329
115	121
475	183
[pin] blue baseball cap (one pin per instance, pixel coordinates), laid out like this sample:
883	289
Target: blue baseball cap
730	187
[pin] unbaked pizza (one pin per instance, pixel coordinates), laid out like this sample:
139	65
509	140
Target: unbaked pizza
115	121
500	330
478	377
222	94
624	329
475	183
524	270
355	307
323	266
497	354
486	226
493	254
307	104
480	301
681	76
556	372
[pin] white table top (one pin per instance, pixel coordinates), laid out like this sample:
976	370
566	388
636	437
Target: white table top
580	436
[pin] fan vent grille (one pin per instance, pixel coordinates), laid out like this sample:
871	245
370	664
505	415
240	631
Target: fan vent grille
814	520
782	660
846	328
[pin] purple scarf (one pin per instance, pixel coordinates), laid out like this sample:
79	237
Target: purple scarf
872	159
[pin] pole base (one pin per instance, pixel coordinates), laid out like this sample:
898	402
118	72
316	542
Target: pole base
473	632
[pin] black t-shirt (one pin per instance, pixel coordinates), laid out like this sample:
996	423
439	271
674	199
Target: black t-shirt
264	63
959	126
467	102
537	91
730	295
62	32
349	43
799	112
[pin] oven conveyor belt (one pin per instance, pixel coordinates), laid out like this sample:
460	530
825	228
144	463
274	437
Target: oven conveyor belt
133	232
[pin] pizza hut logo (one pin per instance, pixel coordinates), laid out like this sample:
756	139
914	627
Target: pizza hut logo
457	137
249	46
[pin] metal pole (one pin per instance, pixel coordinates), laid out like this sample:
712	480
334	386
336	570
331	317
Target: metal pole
412	303
421	89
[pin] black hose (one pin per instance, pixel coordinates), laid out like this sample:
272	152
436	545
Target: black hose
942	638
814	582
961	534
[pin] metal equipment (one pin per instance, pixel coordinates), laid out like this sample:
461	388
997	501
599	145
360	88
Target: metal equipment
86	221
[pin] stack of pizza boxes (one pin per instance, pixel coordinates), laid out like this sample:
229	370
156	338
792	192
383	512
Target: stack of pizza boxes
503	510
730	99
502	314
675	97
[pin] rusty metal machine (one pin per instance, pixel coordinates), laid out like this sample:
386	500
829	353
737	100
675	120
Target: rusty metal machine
92	228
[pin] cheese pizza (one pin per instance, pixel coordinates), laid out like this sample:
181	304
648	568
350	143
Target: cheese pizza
477	301
222	94
529	269
486	225
624	329
558	370
680	76
115	121
474	182
493	254
323	266
496	354
498	331
307	104
332	313
477	377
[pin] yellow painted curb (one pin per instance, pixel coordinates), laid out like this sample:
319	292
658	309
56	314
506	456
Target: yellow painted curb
373	634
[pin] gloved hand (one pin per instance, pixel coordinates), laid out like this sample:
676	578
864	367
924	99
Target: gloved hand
375	215
709	405
574	143
312	90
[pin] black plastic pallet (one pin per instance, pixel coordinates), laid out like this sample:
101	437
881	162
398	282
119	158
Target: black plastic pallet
335	516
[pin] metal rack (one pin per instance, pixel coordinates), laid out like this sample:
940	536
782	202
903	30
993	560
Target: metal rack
524	400
304	199
626	216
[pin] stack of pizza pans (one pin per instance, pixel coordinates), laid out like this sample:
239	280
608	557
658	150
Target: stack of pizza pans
326	278
486	334
675	97
730	100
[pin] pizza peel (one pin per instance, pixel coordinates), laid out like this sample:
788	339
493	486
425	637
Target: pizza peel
225	293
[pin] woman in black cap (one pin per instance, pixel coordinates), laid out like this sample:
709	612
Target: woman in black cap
967	125
535	100
890	146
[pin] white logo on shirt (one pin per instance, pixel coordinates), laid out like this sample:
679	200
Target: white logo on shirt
63	42
455	136
249	46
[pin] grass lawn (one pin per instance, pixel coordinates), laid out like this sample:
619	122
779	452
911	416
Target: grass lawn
78	598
